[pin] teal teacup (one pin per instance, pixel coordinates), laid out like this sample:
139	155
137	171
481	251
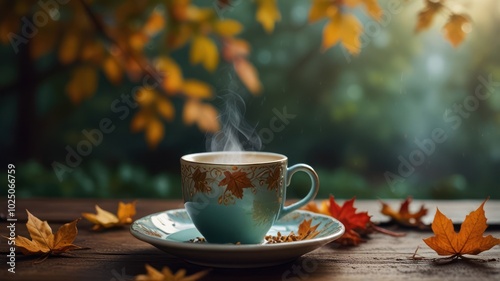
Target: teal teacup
235	197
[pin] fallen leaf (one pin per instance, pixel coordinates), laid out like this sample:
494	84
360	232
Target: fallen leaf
304	232
455	29
355	223
43	241
104	219
267	14
343	28
426	16
204	51
404	216
235	182
468	241
166	274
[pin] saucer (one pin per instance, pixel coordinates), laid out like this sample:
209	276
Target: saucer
171	231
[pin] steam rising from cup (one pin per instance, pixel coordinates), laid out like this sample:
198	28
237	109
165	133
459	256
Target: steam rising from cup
235	134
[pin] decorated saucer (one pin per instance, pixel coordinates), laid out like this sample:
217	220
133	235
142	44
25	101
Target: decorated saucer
173	232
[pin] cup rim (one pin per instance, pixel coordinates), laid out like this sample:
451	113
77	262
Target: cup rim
189	158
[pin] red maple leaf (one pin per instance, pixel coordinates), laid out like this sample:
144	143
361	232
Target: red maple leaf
236	182
352	221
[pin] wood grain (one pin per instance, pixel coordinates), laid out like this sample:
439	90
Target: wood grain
116	255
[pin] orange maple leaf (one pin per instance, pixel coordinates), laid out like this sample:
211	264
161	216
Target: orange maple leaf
455	29
404	216
468	241
306	231
426	16
236	182
43	241
104	219
355	223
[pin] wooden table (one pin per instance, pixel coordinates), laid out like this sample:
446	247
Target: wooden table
116	255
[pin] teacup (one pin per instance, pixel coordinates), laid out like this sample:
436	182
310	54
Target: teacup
235	197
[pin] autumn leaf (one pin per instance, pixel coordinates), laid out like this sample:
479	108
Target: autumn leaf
166	274
154	24
344	28
235	182
112	70
305	232
468	241
248	75
204	51
203	114
404	216
197	89
371	6
173	79
267	14
104	219
455	29
426	16
83	83
43	241
227	28
320	9
200	181
274	179
69	48
355	223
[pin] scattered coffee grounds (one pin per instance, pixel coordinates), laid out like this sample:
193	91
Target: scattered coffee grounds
273	239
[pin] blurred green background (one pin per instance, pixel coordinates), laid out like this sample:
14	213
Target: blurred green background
354	117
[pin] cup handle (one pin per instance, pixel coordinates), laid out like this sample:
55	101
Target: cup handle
312	191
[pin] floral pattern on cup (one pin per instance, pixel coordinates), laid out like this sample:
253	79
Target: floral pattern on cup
233	180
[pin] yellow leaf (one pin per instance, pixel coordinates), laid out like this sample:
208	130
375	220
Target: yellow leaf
104	219
344	28
426	16
69	48
154	24
319	9
373	9
172	80
204	115
43	241
137	41
267	14
145	96
154	132
248	75
92	51
197	14
179	35
235	48
227	28
196	89
83	83
204	51
112	70
165	109
455	29
139	122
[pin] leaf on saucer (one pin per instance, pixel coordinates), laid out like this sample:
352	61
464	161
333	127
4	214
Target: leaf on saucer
404	216
104	219
43	241
166	274
305	232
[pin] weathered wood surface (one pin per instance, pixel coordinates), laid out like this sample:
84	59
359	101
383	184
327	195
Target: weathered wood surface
117	256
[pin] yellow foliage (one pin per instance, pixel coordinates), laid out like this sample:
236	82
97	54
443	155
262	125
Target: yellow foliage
454	29
267	14
197	89
204	51
344	28
426	16
83	83
112	70
227	28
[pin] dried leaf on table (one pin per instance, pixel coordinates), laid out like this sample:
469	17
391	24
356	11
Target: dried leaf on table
404	216
43	241
304	232
166	274
104	219
468	241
